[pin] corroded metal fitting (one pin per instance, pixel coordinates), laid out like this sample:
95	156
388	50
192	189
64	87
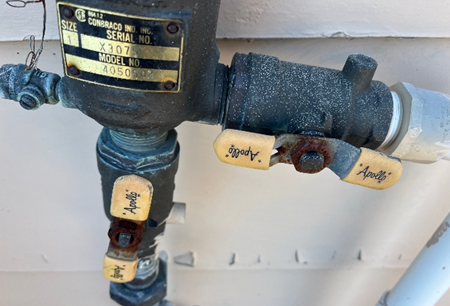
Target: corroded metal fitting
134	229
30	87
308	145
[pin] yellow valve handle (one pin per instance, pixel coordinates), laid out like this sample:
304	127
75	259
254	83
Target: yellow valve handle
131	198
371	169
245	149
118	270
375	170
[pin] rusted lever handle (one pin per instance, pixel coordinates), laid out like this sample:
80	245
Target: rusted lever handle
130	206
308	154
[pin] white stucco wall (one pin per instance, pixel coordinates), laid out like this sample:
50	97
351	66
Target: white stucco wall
52	227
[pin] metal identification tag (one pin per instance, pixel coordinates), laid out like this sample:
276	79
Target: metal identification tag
119	50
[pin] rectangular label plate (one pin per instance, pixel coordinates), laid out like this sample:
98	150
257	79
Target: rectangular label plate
119	50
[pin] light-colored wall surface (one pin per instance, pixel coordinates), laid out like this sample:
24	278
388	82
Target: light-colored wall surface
54	231
52	226
283	18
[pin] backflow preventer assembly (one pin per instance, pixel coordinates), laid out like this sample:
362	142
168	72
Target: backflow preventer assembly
141	68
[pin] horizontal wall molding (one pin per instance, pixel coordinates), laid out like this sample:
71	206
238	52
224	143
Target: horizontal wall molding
282	19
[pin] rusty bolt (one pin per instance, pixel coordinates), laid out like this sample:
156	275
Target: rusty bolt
126	232
68	12
169	85
173	28
73	70
310	152
312	161
28	102
124	240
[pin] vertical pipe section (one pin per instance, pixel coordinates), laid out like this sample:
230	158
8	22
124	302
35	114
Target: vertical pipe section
153	156
428	277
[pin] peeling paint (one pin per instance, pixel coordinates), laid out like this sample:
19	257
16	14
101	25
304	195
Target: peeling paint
360	255
339	35
233	259
299	258
438	234
44	258
259	260
186	259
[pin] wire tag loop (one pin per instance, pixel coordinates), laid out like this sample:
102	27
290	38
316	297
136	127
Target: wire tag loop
33	56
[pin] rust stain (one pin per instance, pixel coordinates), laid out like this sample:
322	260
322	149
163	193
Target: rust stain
133	228
72	69
294	146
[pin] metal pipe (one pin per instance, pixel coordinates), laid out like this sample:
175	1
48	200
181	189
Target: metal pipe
422	135
153	156
396	121
428	277
139	143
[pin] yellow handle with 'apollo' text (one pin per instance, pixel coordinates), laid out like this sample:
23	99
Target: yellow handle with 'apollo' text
375	170
131	198
118	270
245	149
